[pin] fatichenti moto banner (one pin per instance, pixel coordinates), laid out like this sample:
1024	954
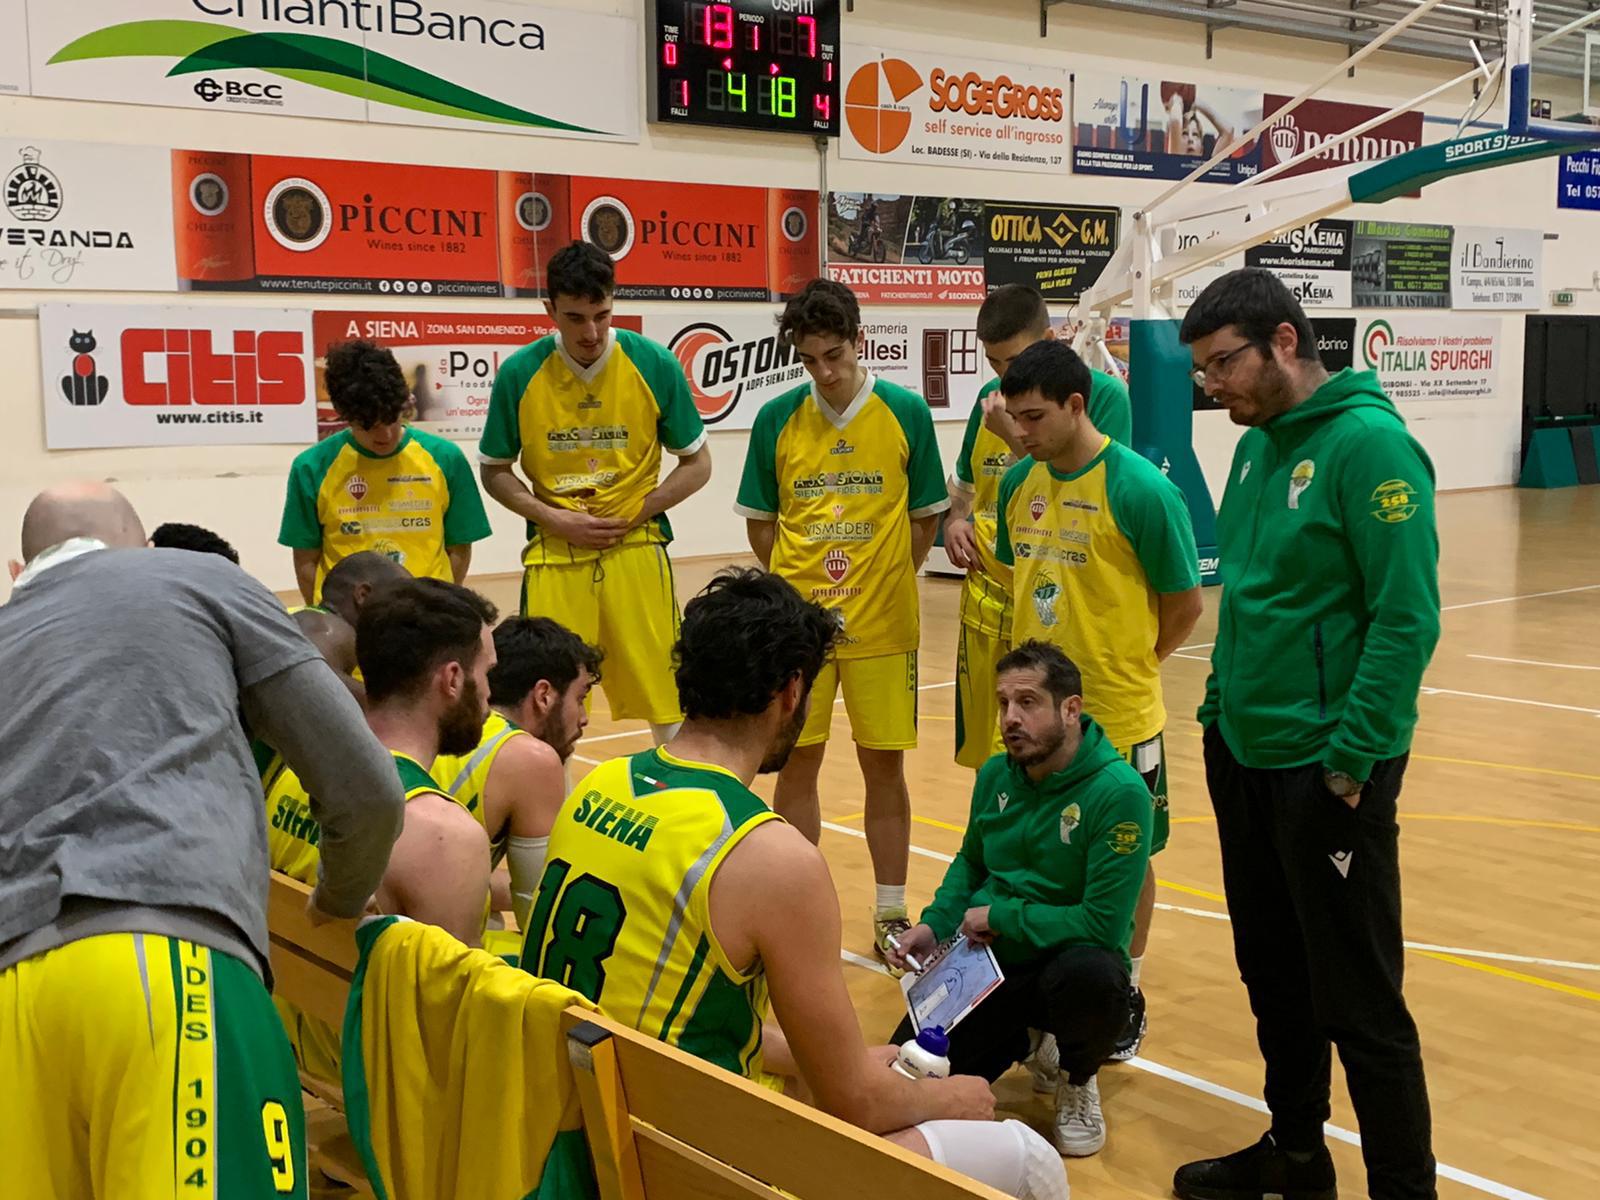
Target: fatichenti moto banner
1160	129
919	106
82	216
1313	261
134	375
735	363
461	64
1426	356
1400	265
1497	268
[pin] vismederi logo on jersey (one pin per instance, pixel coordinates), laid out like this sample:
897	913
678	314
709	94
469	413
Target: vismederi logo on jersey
1378	338
265	367
343	64
719	369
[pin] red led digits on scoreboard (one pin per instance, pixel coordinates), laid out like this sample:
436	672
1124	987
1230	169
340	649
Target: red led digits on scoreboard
713	25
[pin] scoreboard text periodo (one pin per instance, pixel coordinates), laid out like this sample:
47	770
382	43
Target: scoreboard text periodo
749	64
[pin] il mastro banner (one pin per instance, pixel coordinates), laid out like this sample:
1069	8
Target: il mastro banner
735	363
455	64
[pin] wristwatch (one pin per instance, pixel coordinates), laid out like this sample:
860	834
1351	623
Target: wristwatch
1341	784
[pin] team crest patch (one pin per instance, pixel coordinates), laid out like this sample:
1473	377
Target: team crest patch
836	564
356	486
1044	600
1071	816
1036	507
1394	501
1300	479
1124	837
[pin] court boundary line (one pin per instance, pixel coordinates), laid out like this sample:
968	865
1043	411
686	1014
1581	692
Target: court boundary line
1219	1091
1534	662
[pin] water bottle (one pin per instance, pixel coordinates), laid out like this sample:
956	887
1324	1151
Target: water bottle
925	1056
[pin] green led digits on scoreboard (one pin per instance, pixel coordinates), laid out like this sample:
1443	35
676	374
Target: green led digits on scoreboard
748	64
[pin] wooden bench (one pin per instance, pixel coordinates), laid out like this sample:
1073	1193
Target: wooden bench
661	1124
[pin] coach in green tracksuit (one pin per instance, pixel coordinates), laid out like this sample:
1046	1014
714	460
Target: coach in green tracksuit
1329	614
1049	873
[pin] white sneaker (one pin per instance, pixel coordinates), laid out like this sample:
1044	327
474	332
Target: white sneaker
1043	1061
1080	1125
1044	1174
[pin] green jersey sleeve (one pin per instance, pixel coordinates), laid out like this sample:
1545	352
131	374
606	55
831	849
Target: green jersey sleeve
679	426
300	528
963	472
1110	408
464	518
1152	514
926	492
501	442
1009	483
758	487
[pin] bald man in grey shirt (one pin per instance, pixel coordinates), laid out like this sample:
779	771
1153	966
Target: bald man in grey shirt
133	860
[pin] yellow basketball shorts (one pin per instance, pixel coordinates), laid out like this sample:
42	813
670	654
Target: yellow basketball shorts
977	706
880	698
624	602
139	1067
1149	758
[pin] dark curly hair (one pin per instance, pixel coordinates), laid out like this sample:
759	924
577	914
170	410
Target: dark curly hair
822	306
528	649
583	270
175	535
365	384
743	638
407	630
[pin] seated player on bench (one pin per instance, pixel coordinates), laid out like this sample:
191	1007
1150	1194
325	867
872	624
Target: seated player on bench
677	901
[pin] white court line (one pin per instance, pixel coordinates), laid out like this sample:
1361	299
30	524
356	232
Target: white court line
857	833
1433	691
611	737
1194	657
1588	587
1533	662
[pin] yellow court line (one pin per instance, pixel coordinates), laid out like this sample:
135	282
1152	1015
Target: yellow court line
1519	976
1500	766
1204	895
851	817
939	824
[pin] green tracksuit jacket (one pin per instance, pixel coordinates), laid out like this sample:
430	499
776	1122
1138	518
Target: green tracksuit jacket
1059	862
1330	601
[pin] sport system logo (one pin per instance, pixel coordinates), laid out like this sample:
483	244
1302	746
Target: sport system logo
32	193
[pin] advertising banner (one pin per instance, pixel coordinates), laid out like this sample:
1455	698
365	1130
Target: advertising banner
917	106
1188	287
1313	261
1498	268
1433	357
1400	265
83	216
449	359
735	363
1578	181
14	48
118	375
1058	250
1160	129
461	64
1318	121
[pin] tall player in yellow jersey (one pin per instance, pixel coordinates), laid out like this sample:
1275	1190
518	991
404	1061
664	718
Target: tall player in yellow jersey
514	779
841	496
587	412
379	485
1011	319
1104	566
683	906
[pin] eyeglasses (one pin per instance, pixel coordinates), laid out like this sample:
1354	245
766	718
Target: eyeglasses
1217	366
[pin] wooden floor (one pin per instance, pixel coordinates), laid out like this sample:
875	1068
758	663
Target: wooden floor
1501	852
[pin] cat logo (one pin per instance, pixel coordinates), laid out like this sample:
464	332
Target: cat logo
1071	815
836	564
1037	506
356	486
85	385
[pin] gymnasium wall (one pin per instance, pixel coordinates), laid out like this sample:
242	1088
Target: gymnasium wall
239	490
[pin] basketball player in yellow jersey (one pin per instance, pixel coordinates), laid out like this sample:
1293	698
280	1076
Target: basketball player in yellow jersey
841	496
1011	319
1105	567
379	485
587	412
514	779
677	901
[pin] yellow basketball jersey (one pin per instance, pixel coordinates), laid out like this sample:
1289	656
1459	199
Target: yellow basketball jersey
622	913
463	777
1090	553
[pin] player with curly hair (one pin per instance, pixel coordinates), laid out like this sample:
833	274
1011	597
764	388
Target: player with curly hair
379	484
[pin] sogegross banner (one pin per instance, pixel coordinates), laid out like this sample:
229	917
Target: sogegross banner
948	109
1160	128
449	360
735	363
1426	356
461	64
135	375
